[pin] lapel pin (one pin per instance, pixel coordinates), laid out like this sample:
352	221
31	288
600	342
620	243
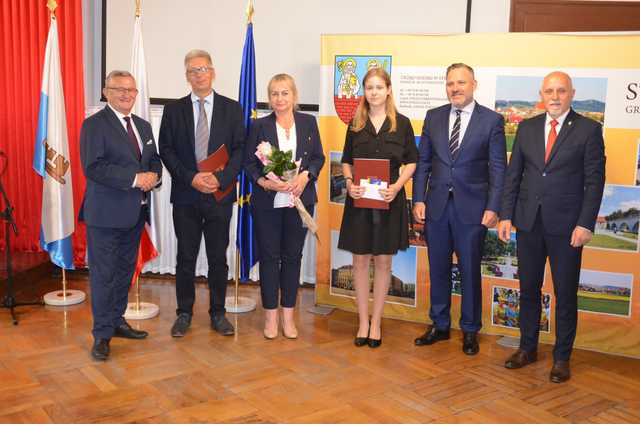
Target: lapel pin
570	122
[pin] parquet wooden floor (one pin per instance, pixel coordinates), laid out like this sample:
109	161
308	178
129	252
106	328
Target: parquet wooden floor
47	375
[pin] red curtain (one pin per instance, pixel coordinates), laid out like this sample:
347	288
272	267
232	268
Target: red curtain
24	25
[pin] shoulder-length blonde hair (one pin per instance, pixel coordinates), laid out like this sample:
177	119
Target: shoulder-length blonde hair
362	111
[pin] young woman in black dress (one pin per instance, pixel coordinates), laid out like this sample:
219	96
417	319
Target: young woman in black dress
377	131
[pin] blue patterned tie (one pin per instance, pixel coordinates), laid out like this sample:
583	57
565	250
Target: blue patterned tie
454	141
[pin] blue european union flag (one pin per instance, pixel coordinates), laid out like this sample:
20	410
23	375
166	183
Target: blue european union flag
245	240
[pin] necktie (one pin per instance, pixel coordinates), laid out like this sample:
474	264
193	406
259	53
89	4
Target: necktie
454	141
202	133
551	140
132	137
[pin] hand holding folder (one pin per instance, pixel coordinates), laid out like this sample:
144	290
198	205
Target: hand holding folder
374	173
216	162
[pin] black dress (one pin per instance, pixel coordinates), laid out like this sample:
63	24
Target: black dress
362	232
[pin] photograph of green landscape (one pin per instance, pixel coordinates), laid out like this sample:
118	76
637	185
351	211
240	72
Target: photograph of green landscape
499	259
618	219
605	292
518	98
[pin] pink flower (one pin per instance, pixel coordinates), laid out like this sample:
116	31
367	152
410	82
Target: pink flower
263	152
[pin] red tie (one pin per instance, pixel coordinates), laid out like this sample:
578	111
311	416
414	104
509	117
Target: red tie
132	137
551	140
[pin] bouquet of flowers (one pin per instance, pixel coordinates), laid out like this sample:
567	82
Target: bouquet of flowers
279	166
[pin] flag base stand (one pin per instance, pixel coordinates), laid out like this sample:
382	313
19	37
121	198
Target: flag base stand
64	297
320	310
142	310
508	341
242	305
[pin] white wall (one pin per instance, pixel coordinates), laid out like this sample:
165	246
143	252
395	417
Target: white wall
287	35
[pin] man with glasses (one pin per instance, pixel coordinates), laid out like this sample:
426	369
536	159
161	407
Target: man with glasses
121	164
193	128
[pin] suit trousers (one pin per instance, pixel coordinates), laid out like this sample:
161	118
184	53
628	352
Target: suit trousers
280	236
533	248
445	236
112	255
190	223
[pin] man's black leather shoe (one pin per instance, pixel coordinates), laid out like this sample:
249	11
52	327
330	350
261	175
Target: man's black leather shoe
100	349
560	372
125	331
431	336
221	324
181	325
470	344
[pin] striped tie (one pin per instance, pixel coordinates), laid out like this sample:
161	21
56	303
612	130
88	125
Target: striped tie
202	134
454	141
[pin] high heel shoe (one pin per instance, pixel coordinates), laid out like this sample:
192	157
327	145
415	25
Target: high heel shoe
361	341
289	329
271	332
373	343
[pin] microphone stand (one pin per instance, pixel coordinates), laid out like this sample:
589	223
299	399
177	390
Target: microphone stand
9	300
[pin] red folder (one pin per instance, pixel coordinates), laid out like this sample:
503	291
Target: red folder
215	162
371	168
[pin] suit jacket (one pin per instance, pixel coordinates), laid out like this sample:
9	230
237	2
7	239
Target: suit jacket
110	163
568	188
476	175
308	150
177	145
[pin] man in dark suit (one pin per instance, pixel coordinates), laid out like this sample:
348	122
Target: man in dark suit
552	194
121	164
192	128
457	187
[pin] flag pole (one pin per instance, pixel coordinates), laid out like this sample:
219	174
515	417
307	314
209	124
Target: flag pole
62	297
240	304
139	310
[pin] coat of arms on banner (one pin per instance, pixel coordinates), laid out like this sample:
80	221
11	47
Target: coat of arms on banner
348	74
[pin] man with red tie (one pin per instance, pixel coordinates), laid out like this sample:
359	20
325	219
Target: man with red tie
552	193
121	164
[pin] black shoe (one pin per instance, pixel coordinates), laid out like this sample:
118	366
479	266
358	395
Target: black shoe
560	372
360	341
100	349
373	343
222	325
431	336
125	331
470	344
181	325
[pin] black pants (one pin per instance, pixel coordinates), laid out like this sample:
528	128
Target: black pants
280	237
112	254
191	222
533	248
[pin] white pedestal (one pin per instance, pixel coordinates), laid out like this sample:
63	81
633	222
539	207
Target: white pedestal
245	304
146	311
507	341
60	298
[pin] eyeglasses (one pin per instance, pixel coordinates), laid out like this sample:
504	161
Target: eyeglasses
199	70
122	90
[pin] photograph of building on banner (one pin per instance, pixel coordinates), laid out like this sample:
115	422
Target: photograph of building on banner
505	309
605	292
337	183
518	98
402	289
617	222
456	280
417	236
499	259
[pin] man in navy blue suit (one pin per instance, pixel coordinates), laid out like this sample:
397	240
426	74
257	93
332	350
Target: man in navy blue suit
192	128
552	193
457	189
121	164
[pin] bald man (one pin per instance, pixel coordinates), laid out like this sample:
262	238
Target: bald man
552	193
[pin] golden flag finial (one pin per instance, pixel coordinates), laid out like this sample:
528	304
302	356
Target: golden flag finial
250	11
138	8
52	5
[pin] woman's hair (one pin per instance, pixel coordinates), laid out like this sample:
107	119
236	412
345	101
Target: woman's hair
290	81
362	111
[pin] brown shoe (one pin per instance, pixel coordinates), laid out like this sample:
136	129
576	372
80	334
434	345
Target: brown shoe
560	372
520	358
